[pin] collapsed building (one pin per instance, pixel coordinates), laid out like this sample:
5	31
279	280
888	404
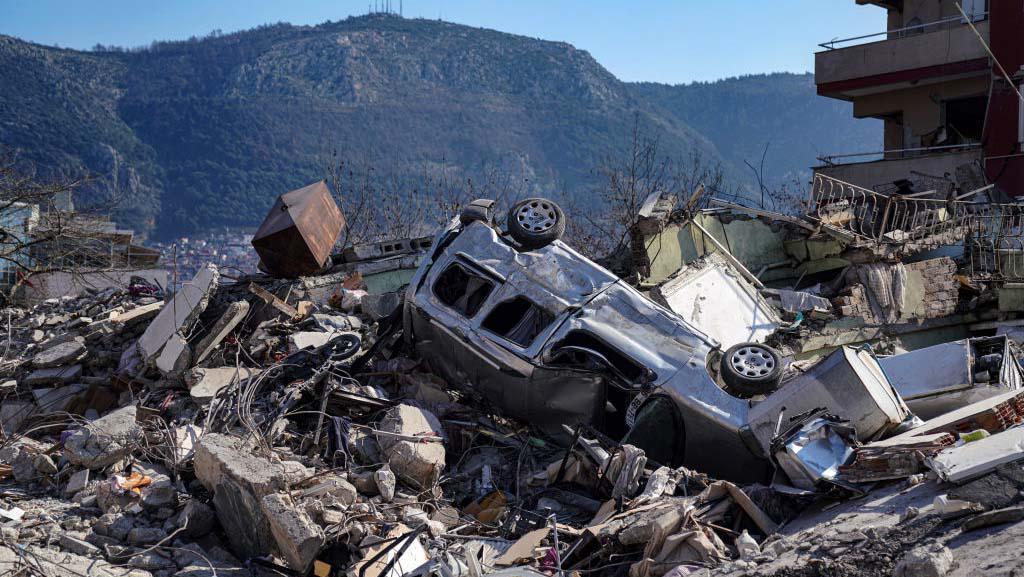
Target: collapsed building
758	393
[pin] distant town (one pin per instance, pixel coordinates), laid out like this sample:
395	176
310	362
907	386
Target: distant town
231	250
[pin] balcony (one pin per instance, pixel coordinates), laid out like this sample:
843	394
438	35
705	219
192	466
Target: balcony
927	52
875	170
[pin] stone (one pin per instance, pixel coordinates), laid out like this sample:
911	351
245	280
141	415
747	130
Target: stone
113	525
67	353
146	535
56	563
13	414
177	315
44	464
77	482
104	441
38	336
933	561
417	463
335	487
204	384
298	538
53	376
364	483
78	546
57	400
385	481
235	313
992	491
997	517
196	519
151	561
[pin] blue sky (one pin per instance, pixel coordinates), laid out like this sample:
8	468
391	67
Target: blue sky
673	41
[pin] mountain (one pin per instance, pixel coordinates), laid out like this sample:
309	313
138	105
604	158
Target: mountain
782	111
206	132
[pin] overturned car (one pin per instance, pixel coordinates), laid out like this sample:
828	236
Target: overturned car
551	337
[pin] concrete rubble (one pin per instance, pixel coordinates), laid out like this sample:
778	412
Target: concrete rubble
299	429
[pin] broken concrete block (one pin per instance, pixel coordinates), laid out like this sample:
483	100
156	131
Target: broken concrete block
54	376
55	563
933	561
58	399
413	447
78	546
77	482
239	479
298	538
176	356
997	517
44	464
204	384
385	480
234	314
146	535
104	441
178	314
196	519
66	353
333	486
13	414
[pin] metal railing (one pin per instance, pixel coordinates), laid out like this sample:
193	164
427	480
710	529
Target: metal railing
869	216
904	32
898	153
994	246
992	234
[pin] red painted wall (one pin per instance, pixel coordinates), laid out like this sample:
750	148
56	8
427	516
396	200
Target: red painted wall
1000	139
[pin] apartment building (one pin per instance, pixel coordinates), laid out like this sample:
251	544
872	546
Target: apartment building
947	108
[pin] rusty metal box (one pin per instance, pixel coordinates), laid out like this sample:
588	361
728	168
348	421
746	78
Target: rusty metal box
299	232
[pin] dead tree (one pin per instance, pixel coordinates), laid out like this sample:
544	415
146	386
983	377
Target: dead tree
41	233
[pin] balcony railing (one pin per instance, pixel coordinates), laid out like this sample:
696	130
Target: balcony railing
900	32
992	234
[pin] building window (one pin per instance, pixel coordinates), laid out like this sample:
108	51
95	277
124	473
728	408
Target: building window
518	320
462	290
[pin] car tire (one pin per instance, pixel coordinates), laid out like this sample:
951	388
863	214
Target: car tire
481	209
751	368
536	222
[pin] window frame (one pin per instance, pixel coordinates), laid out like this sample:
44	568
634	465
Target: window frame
547	327
471	271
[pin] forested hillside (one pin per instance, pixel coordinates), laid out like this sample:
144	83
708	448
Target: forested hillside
203	133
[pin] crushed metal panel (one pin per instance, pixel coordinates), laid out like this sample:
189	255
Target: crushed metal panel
712	295
938	379
299	232
848	383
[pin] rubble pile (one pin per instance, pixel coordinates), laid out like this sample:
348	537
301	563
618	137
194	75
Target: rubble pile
495	417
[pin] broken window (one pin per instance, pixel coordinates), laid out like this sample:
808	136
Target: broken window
518	320
965	119
462	290
581	349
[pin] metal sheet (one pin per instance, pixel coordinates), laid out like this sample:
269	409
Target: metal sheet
814	453
299	232
713	296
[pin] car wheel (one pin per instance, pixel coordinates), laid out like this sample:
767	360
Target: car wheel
658	430
481	209
536	222
342	347
752	369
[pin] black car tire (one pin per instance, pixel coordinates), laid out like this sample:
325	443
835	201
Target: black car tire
536	222
751	368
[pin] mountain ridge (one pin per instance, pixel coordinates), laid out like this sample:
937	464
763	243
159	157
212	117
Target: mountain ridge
206	132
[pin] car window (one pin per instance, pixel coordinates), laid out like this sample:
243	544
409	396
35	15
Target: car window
576	341
518	320
462	290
